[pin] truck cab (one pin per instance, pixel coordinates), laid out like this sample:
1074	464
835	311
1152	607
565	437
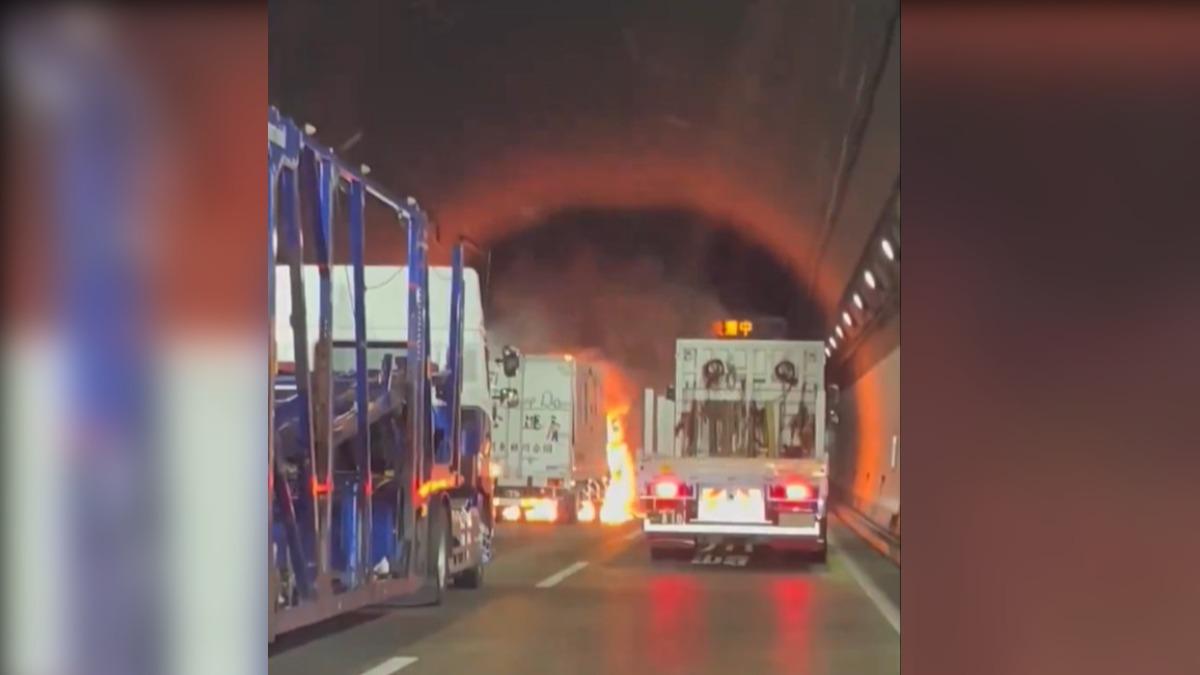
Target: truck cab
466	488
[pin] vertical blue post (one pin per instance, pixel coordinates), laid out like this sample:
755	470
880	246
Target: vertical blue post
303	556
454	356
428	417
115	621
418	364
357	255
324	183
274	164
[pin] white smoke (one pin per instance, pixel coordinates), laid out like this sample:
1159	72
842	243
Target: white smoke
626	313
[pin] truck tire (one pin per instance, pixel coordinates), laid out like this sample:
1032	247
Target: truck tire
821	557
570	507
659	553
438	550
472	578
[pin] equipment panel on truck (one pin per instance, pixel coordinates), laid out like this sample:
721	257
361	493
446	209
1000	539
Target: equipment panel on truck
749	398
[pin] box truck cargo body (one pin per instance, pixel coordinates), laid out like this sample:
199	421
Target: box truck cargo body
550	447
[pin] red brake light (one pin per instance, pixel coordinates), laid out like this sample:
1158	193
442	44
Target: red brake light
666	489
797	492
792	492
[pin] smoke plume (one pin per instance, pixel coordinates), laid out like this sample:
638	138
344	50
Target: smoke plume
625	314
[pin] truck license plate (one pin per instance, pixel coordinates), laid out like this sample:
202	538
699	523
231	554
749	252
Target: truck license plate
736	505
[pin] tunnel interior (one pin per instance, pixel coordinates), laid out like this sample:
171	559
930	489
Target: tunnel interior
625	283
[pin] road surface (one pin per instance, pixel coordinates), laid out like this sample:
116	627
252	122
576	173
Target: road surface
579	600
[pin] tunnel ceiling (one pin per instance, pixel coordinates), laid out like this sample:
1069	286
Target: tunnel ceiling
499	114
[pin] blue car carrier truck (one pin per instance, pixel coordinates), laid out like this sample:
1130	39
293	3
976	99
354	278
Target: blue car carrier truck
379	481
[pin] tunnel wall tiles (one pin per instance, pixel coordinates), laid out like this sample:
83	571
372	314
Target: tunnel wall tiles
866	462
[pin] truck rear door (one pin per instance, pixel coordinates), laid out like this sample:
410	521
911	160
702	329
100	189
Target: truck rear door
546	419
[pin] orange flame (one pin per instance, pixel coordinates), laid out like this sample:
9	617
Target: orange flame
618	495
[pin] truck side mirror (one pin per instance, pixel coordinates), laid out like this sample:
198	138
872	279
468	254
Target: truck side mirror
510	361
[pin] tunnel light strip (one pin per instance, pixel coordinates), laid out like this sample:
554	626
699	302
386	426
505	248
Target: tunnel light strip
887	249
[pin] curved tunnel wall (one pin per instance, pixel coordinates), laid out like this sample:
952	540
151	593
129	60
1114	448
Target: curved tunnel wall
866	457
722	111
865	466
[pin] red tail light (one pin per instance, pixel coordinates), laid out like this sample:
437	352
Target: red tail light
792	492
668	487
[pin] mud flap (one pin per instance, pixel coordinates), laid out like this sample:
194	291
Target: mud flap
469	531
486	534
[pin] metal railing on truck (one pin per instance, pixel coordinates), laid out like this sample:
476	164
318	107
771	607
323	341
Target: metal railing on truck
335	503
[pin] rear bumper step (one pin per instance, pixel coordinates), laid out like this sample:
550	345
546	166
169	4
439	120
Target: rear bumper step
733	529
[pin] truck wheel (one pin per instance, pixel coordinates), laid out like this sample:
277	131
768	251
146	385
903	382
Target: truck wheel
472	578
438	569
571	506
821	557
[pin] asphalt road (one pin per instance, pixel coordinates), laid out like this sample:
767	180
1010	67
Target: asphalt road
579	600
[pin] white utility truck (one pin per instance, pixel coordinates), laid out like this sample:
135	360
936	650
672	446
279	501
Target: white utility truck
746	460
549	447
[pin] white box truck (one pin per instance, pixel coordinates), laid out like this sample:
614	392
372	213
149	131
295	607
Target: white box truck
549	445
747	459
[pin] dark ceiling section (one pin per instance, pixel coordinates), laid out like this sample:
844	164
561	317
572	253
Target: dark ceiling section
625	284
436	93
687	249
438	88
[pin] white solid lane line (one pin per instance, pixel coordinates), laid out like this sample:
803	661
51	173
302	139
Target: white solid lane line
554	579
889	611
392	665
632	535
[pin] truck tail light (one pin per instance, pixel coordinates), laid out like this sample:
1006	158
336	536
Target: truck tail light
669	487
793	491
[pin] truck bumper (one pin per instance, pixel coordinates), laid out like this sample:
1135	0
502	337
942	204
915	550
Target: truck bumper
775	536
